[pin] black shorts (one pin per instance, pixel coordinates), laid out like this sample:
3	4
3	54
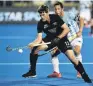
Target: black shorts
63	45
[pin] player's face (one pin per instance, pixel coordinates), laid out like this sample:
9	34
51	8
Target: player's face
58	10
44	16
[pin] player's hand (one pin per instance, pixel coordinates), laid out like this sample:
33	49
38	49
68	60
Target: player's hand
79	34
55	41
31	45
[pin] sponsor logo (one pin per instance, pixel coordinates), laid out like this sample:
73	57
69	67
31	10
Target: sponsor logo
19	16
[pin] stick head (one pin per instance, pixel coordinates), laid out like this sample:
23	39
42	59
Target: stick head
8	48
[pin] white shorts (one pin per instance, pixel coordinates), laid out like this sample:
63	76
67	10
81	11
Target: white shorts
77	41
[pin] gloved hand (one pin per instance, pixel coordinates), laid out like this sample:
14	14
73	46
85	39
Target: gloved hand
55	41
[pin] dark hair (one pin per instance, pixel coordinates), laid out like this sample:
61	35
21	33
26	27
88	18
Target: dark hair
43	8
58	3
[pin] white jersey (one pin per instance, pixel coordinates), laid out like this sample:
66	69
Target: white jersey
69	19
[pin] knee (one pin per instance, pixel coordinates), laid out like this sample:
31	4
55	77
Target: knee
77	50
42	47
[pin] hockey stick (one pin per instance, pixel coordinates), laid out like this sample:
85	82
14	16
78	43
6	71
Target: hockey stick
8	48
47	52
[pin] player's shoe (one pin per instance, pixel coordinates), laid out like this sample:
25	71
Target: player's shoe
79	75
29	74
86	78
55	75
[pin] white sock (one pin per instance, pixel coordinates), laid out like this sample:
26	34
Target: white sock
55	63
79	57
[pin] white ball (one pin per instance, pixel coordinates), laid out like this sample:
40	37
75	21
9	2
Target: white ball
20	51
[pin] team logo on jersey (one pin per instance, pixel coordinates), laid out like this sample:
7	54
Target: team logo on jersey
45	26
52	30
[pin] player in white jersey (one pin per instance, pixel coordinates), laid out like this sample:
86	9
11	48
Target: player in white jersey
74	36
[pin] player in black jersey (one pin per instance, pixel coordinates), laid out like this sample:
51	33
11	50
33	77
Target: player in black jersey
56	32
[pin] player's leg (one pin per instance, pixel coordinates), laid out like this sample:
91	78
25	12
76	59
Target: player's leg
78	57
54	59
65	47
77	45
78	66
33	61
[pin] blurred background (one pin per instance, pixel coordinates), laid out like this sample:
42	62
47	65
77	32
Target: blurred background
23	11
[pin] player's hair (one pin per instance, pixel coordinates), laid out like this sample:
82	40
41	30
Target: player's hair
43	8
58	3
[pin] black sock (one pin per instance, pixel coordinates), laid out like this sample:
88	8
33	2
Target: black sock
81	70
33	61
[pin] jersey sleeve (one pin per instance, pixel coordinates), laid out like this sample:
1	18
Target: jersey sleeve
39	28
59	21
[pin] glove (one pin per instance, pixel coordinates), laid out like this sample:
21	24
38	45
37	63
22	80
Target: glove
55	41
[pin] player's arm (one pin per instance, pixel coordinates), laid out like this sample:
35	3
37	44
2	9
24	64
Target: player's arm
36	41
39	36
63	34
63	26
65	31
81	23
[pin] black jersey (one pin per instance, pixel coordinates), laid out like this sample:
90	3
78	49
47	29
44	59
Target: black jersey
53	28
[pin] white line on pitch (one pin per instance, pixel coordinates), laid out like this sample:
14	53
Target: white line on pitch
86	63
